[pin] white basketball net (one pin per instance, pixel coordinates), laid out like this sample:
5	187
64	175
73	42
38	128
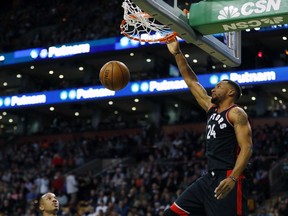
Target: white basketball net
140	26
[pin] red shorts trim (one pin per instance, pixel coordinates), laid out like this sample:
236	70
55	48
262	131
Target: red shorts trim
239	194
175	208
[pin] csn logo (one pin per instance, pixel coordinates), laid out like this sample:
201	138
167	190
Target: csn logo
249	8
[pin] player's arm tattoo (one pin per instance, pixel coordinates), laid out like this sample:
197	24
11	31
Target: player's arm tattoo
241	118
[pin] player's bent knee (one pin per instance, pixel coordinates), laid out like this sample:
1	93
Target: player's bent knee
169	212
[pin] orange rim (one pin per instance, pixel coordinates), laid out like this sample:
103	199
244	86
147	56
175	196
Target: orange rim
143	14
165	38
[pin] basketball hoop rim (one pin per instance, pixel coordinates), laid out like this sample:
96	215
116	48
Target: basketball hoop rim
143	14
164	39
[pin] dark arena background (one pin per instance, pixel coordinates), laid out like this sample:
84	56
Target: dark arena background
133	151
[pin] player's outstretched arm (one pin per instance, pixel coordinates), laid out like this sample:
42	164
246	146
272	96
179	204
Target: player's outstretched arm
189	75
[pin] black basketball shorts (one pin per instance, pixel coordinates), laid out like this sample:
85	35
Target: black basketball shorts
198	199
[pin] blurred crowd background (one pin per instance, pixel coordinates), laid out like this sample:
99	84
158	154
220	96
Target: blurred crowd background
147	166
27	24
149	170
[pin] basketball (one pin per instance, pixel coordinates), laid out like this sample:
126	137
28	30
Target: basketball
114	75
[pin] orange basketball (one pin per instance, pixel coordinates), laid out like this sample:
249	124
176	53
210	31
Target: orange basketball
114	75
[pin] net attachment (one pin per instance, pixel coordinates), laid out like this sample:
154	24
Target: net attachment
140	26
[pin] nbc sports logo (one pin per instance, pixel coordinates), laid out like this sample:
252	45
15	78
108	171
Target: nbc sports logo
228	12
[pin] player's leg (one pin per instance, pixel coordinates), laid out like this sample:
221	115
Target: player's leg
190	202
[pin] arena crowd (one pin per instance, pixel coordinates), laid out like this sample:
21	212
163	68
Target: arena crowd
158	169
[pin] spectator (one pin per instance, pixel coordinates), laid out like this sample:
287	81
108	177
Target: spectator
57	161
71	189
44	184
58	182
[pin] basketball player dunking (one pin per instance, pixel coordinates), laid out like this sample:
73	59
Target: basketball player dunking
222	190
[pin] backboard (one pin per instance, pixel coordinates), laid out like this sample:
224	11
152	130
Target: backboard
171	13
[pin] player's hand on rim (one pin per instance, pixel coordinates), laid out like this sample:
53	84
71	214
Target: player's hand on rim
173	46
224	188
